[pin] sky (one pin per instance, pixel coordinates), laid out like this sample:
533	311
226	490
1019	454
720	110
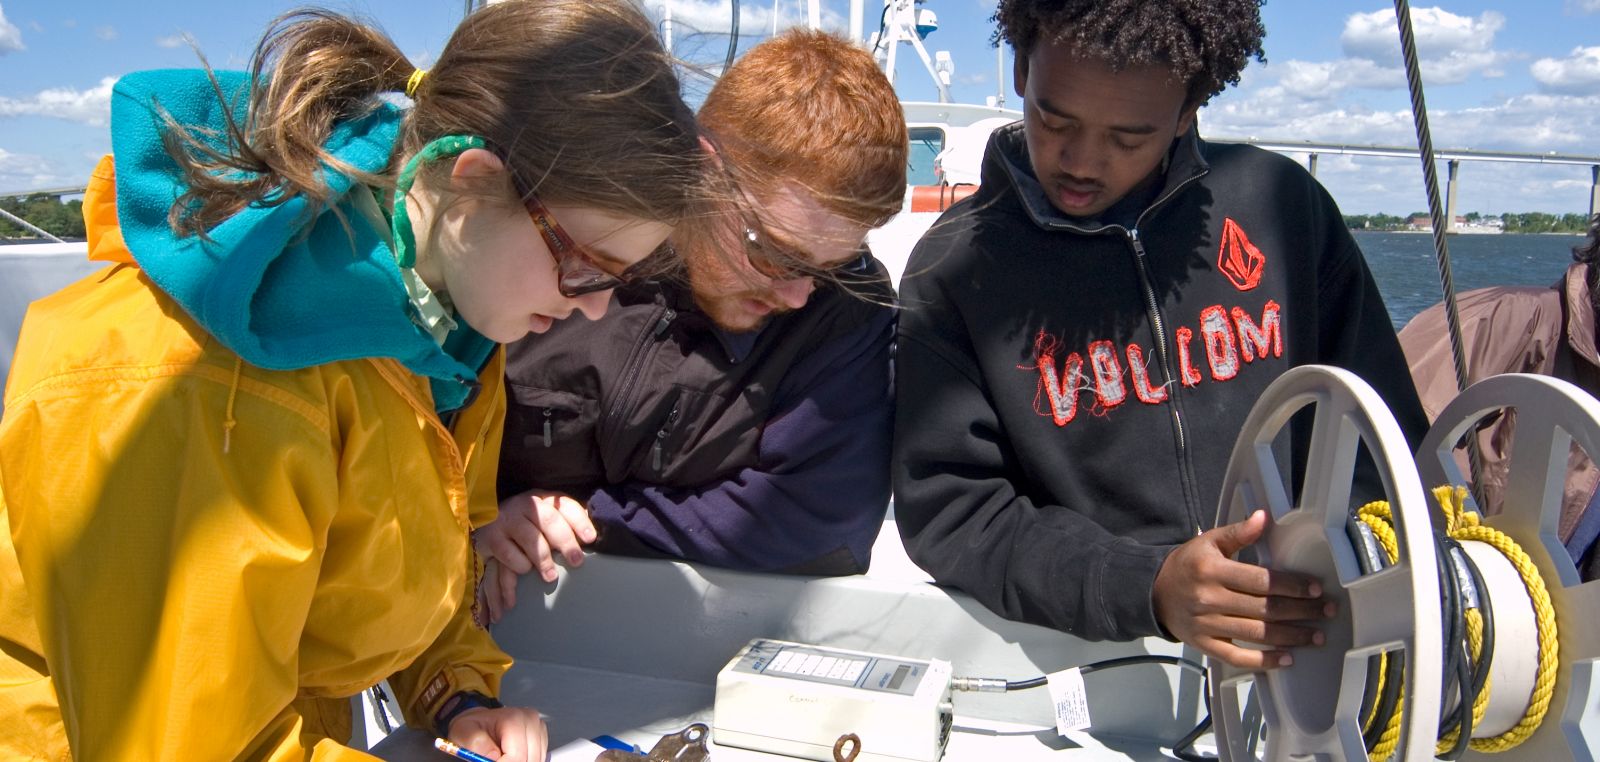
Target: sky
1503	75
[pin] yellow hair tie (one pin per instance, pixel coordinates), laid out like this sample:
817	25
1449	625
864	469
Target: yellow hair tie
414	82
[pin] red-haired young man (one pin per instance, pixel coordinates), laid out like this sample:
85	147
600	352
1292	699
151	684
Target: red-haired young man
743	418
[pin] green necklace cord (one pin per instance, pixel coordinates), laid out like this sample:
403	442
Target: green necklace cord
405	241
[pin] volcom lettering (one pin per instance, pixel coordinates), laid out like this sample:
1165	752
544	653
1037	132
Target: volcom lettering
1150	395
1257	341
1231	336
1222	353
1108	387
1058	389
1191	374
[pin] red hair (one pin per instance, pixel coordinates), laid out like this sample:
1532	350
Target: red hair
811	107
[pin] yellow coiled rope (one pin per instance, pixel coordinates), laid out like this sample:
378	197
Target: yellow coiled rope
1462	525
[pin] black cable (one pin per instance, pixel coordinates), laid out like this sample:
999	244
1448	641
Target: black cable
1368	560
1474	680
733	37
883	28
1121	661
1182	749
1469	675
1022	685
1126	661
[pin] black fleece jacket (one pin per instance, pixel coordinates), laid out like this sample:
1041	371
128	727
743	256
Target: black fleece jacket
1069	393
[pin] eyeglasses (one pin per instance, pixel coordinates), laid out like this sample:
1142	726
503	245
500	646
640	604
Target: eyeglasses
580	271
781	263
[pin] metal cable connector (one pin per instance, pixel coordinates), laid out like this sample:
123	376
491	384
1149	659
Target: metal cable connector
978	684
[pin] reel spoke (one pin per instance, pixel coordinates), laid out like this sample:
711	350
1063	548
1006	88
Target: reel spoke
1380	591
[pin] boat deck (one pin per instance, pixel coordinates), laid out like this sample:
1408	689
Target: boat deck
631	648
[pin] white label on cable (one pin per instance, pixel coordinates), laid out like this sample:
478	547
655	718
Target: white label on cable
1070	699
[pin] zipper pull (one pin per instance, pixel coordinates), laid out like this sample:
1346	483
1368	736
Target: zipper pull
661	438
664	323
1138	246
547	427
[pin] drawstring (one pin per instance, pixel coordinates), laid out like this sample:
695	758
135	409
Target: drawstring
228	421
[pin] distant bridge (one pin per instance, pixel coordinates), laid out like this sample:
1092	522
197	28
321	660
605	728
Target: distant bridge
1453	158
55	193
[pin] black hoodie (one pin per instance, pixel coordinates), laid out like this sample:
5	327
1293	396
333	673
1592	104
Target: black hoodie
1069	393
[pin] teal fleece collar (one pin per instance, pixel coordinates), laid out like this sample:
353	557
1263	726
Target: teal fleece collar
283	289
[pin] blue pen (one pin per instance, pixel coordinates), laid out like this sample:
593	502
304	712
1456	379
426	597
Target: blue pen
612	742
458	752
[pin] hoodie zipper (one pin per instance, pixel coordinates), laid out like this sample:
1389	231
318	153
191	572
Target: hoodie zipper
1159	325
661	436
642	351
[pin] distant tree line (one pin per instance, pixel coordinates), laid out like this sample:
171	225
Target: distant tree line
63	220
1523	222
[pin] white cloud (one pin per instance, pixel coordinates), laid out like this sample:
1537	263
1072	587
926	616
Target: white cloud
23	171
175	40
1451	48
1577	74
106	33
1584	6
714	16
10	35
92	106
1531	123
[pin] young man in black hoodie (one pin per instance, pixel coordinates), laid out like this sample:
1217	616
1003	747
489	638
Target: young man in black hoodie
1082	339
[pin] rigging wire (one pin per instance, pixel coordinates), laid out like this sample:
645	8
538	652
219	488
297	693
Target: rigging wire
733	37
1430	179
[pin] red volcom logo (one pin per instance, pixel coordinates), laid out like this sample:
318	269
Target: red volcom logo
1228	339
1239	259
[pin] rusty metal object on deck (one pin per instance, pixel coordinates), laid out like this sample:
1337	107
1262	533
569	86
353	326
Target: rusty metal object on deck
851	740
687	745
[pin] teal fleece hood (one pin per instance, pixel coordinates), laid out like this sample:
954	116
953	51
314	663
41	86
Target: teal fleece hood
280	287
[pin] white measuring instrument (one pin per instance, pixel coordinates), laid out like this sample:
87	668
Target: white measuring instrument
801	700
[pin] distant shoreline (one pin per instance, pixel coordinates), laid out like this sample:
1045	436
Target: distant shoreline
1426	231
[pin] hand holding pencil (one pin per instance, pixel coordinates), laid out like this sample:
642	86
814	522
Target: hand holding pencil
504	734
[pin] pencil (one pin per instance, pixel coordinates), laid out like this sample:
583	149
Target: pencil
458	752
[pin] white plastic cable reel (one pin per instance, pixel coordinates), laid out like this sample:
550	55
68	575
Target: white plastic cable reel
1313	707
1551	415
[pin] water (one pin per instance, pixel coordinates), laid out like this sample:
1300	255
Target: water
1404	265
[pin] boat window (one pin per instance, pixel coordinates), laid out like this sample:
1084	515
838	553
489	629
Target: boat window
926	143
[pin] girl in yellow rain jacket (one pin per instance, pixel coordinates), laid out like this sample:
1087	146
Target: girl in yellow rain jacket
239	466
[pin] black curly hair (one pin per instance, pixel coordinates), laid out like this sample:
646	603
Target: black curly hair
1206	43
1588	253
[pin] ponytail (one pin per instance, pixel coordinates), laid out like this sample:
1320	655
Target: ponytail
312	70
576	96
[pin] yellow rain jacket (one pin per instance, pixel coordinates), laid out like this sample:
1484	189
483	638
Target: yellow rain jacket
206	559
